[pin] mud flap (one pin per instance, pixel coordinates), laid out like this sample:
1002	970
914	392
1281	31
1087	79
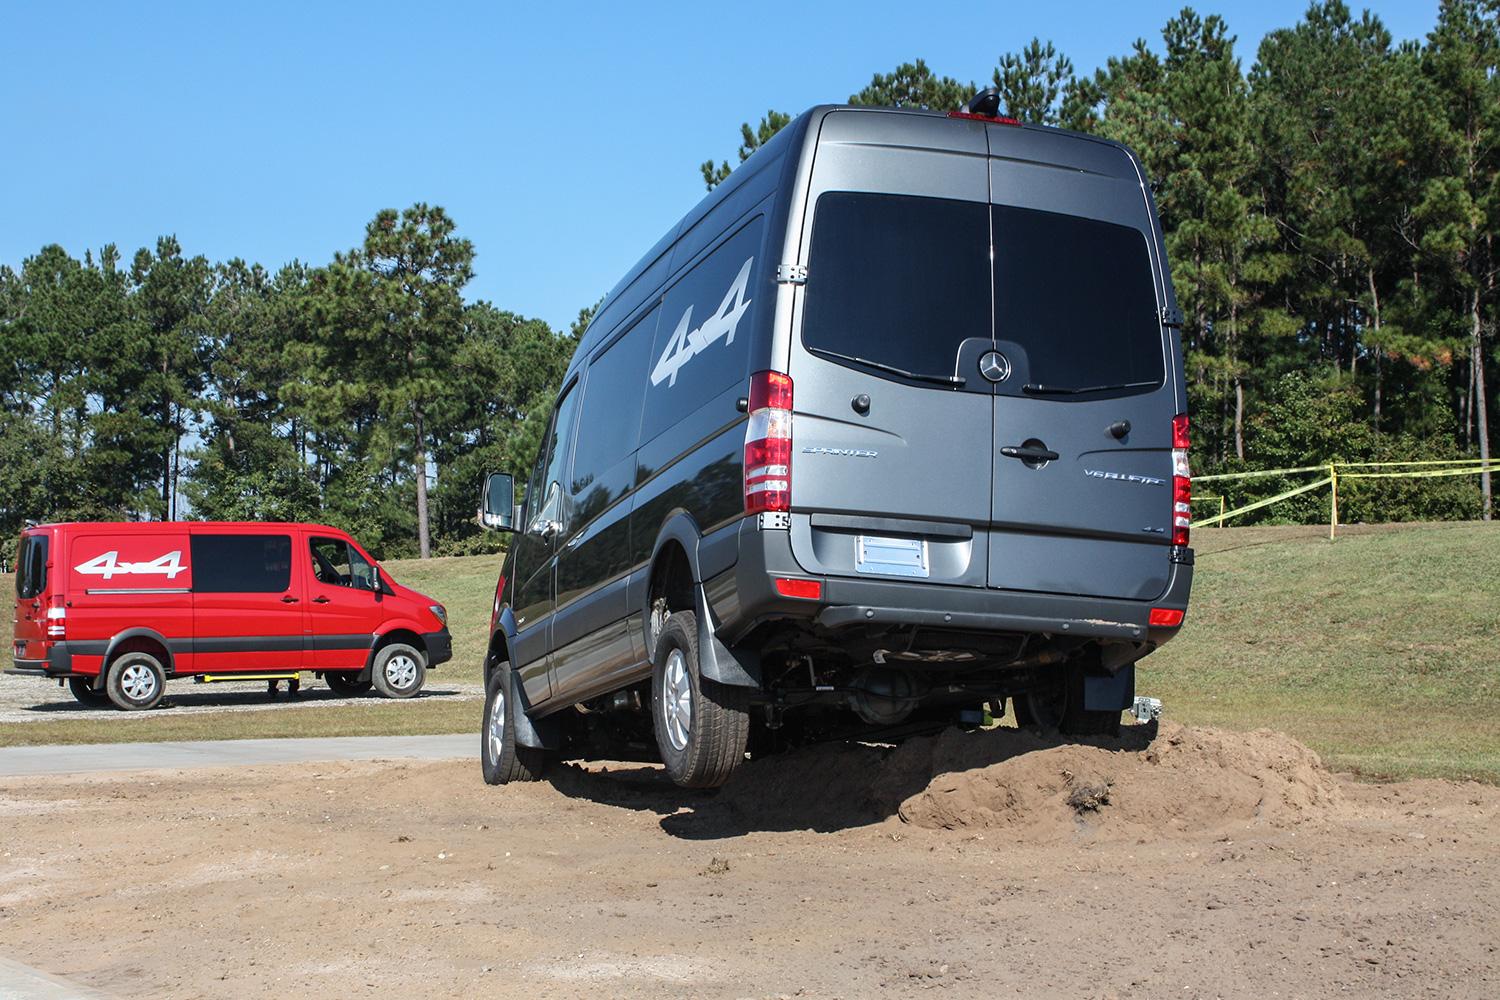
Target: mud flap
715	661
539	734
1109	692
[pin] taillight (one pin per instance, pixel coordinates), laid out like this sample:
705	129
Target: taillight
995	119
768	444
1182	481
1165	617
807	590
57	620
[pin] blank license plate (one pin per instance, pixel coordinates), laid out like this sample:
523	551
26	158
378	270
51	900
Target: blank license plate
891	556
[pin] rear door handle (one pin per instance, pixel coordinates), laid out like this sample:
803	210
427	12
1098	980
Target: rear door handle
1029	454
288	599
320	599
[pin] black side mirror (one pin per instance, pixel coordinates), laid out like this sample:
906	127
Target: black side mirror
497	505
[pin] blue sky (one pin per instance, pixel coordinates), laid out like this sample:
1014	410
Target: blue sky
565	138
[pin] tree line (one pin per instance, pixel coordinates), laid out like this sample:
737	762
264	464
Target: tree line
365	392
1330	216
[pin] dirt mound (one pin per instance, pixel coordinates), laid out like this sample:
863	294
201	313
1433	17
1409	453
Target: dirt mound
1185	780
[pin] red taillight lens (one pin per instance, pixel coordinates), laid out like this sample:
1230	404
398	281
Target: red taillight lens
808	590
1165	617
768	444
57	618
1182	483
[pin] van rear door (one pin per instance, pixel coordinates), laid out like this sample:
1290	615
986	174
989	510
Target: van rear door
893	428
32	555
1082	488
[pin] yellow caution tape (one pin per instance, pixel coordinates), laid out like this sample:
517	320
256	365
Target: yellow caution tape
1262	472
1421	474
1257	505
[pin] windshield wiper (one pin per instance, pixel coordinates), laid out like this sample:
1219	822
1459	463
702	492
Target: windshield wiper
1058	390
954	380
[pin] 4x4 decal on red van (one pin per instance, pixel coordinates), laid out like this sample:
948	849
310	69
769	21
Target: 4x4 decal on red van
683	346
108	565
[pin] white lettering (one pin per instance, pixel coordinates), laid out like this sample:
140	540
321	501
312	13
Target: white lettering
684	345
108	565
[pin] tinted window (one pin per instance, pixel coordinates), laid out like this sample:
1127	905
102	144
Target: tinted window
609	422
241	564
703	336
559	434
897	280
31	566
1077	296
337	563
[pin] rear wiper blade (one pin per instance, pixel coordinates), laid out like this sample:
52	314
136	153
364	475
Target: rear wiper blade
954	380
1058	390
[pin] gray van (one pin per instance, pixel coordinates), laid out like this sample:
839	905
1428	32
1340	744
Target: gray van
889	428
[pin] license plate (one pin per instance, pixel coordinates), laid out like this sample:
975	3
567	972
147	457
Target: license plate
891	556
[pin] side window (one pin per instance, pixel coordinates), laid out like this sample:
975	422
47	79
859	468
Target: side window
703	337
609	418
559	437
241	564
337	563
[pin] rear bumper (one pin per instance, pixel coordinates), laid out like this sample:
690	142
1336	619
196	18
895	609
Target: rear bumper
59	663
439	646
765	555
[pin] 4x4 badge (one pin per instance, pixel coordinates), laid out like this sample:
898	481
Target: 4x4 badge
994	366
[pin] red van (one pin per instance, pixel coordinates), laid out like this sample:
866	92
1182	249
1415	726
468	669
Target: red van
118	609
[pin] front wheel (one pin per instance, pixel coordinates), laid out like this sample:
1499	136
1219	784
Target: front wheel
136	681
399	671
86	694
501	758
701	726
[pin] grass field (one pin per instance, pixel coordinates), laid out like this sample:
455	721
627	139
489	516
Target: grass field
1376	650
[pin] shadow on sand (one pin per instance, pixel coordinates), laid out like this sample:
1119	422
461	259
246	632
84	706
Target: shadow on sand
209	698
822	788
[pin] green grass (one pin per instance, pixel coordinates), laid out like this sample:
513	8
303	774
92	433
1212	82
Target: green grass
1376	650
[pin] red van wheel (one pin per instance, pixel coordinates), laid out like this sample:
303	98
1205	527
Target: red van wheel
399	671
136	681
84	691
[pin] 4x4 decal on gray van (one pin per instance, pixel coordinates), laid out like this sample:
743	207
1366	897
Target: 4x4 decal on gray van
683	346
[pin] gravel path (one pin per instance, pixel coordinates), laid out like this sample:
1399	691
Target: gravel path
35	699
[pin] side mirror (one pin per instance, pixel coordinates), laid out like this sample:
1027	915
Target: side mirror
497	505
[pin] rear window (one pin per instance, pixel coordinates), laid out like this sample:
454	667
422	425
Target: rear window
899	282
1076	296
242	564
896	280
31	566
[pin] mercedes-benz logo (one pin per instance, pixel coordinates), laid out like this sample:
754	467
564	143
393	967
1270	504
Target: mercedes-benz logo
994	366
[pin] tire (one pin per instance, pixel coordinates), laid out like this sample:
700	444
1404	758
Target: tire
1058	708
399	671
85	693
502	759
346	683
701	726
136	681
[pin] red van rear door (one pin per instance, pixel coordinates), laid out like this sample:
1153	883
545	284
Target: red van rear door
249	602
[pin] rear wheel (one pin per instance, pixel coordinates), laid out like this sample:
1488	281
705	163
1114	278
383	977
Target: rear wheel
346	683
701	726
136	681
502	759
84	691
399	671
1057	707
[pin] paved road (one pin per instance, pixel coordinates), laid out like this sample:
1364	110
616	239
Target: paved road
22	761
21	982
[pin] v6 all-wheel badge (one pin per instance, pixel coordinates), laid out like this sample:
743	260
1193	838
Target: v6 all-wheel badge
994	366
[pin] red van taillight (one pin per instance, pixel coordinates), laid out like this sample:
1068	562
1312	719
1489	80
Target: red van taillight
57	620
1182	481
768	444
